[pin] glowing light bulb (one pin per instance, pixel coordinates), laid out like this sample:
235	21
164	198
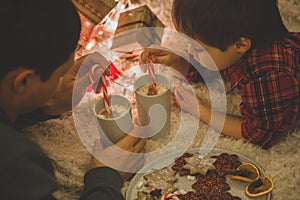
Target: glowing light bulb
90	45
122	7
87	23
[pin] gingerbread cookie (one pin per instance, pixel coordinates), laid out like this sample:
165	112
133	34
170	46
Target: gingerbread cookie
154	195
198	165
179	163
191	196
144	196
211	185
226	164
162	179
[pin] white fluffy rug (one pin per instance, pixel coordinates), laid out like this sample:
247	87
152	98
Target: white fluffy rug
59	139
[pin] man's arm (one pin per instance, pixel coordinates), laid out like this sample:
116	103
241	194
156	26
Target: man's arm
29	176
102	183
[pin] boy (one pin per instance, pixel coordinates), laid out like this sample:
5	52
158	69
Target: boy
252	49
38	41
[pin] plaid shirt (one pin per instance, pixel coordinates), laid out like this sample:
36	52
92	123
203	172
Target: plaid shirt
269	80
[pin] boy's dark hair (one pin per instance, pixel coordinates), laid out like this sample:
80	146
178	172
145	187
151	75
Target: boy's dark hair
220	23
37	34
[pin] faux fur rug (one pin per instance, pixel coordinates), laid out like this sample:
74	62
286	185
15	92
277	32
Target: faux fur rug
59	138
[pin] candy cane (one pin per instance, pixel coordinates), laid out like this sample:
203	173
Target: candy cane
93	71
152	75
169	197
103	82
105	95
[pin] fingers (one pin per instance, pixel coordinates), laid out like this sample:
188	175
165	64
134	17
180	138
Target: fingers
96	58
144	61
179	93
86	62
107	71
151	54
127	141
97	73
143	57
132	143
139	146
162	59
98	145
98	89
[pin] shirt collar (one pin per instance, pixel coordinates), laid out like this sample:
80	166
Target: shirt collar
236	73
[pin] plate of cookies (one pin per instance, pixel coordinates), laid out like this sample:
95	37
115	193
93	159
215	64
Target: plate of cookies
220	175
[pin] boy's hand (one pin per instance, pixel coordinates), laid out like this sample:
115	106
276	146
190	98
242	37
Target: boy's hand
62	100
129	160
187	100
164	56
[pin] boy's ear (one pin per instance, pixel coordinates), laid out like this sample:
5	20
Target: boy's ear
242	45
22	79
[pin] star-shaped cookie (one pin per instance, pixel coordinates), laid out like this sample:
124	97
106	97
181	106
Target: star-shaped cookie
191	196
162	179
198	165
226	164
179	163
211	185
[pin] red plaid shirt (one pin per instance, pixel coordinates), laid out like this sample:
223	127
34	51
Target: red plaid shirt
269	80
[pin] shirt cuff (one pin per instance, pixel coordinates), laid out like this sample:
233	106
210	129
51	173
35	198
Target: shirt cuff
103	176
32	118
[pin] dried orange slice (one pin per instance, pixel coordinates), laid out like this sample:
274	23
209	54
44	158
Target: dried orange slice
247	172
260	187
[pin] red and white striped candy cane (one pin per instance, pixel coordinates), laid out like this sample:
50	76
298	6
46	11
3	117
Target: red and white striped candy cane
152	75
105	95
169	197
103	82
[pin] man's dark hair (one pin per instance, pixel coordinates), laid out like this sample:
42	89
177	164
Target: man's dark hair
37	34
220	23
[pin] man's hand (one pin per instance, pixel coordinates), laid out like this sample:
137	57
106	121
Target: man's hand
111	156
62	100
